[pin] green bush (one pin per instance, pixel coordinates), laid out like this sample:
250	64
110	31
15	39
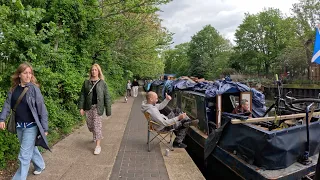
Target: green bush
61	97
62	39
9	145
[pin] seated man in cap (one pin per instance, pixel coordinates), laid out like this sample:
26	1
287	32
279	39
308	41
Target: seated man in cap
175	120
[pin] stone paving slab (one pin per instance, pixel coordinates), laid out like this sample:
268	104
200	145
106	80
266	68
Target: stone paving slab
180	165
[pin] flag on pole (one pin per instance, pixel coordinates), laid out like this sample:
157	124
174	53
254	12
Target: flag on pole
316	51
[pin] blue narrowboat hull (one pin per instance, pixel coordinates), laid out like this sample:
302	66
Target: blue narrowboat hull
247	171
239	167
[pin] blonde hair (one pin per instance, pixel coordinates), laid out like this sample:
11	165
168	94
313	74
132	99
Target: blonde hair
15	79
100	75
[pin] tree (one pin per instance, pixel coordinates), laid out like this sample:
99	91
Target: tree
62	38
261	38
207	49
307	15
177	60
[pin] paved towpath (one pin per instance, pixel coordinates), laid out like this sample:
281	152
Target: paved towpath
134	162
124	154
73	158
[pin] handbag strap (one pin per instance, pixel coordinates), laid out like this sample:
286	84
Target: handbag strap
93	87
20	98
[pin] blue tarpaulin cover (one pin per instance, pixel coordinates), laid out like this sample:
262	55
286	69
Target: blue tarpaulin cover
212	89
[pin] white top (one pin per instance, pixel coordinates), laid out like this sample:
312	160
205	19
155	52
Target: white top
128	85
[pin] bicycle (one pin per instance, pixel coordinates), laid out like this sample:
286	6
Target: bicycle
291	105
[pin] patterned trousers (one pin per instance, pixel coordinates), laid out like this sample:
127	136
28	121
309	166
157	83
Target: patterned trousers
94	123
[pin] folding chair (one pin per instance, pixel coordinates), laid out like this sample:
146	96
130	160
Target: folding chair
161	135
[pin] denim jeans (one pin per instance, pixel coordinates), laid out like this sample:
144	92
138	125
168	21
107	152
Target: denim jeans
28	152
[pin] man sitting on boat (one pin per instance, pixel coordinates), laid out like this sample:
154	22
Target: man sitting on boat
175	120
242	108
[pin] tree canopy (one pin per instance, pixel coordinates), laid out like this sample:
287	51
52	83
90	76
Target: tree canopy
265	43
63	38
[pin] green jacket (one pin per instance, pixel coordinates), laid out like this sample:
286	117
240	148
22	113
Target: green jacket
103	97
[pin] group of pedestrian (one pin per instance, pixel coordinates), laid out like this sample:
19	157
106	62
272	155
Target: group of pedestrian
132	88
28	116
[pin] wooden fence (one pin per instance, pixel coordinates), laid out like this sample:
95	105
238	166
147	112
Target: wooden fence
315	72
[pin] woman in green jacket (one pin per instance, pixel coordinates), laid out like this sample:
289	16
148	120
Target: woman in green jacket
94	99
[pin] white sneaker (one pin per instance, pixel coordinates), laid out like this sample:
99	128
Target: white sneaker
97	150
38	172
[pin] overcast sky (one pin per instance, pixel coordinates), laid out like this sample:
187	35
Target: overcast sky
185	18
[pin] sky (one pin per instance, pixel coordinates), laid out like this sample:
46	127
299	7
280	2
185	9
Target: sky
185	18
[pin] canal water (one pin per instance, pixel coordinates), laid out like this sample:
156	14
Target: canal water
211	168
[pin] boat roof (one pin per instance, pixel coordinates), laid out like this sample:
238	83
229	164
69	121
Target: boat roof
196	93
209	89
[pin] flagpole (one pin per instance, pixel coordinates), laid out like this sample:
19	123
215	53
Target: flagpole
308	53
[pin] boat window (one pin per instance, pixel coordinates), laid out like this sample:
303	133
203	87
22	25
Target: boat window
234	100
160	92
248	97
211	111
175	99
189	106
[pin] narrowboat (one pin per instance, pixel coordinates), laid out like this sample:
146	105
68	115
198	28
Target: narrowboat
228	147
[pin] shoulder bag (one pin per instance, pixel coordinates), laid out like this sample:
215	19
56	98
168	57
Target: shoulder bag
93	87
12	117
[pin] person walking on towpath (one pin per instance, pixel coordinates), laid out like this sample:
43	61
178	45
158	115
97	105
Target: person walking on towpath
129	88
135	88
30	120
94	98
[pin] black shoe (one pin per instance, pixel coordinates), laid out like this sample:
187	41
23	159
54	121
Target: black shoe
179	145
191	123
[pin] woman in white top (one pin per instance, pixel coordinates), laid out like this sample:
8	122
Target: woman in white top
128	88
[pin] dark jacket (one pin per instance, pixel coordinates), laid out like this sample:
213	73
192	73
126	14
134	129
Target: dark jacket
135	83
38	109
103	97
